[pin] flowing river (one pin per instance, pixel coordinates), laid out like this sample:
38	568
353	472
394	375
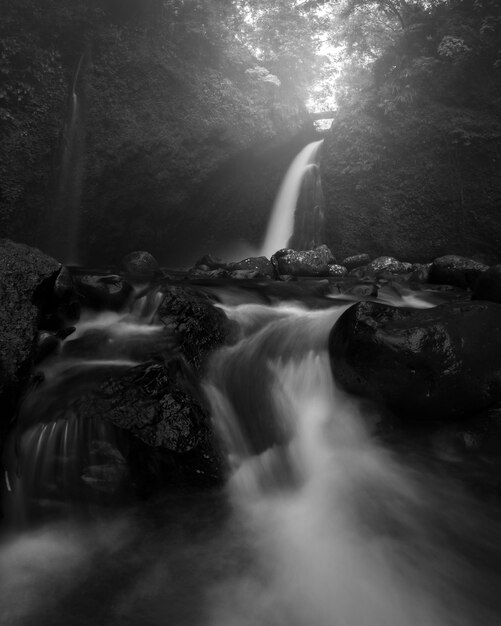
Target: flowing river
320	524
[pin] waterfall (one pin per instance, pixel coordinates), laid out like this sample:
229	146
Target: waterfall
281	224
63	224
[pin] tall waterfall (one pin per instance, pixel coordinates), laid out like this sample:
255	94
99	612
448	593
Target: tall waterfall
281	223
63	225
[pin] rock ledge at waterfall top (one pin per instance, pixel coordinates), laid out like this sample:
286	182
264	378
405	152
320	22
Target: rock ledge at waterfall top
304	262
435	364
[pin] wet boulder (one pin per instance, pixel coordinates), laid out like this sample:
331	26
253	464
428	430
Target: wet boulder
26	277
260	266
159	404
154	403
357	260
140	266
160	401
488	285
278	254
458	271
387	264
424	364
305	262
198	325
336	271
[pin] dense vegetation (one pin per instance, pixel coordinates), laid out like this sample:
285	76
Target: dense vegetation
413	158
168	97
177	96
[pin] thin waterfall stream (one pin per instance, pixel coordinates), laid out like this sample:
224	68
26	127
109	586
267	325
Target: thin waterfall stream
319	523
64	220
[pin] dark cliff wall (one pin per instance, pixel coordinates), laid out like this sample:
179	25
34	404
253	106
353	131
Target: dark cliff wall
411	165
158	151
415	186
168	102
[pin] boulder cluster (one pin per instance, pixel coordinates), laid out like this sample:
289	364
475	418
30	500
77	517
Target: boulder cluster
288	264
158	400
440	364
438	367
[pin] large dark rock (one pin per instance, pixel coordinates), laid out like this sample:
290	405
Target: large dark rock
488	285
152	402
22	272
198	326
456	270
441	363
160	401
357	260
140	265
305	262
387	264
260	265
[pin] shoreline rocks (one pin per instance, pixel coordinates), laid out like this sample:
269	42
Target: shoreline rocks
456	270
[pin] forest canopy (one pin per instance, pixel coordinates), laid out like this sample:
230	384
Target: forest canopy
405	64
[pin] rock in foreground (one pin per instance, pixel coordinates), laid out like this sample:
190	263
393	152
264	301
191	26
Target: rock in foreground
22	271
435	364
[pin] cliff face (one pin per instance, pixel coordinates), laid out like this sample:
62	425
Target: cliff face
166	105
155	148
416	186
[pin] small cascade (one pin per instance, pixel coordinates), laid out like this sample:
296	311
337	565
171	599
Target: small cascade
62	236
61	457
342	532
281	224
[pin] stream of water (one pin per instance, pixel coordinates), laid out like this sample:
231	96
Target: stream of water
319	524
281	224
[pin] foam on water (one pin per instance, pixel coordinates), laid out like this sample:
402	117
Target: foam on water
344	534
324	526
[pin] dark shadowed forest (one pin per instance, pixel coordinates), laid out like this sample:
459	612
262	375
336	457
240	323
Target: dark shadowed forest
250	312
189	112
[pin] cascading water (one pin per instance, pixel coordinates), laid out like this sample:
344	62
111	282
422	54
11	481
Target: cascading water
320	524
344	534
58	460
281	223
63	225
